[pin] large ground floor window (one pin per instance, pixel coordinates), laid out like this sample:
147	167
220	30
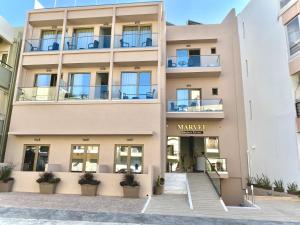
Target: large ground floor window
35	157
129	157
84	158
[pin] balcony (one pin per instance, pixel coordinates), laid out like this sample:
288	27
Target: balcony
5	75
42	45
195	109
87	42
192	65
134	92
34	94
79	93
143	40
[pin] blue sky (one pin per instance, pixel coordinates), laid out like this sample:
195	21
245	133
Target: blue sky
178	11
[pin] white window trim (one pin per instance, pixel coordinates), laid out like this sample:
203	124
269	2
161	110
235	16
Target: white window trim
286	7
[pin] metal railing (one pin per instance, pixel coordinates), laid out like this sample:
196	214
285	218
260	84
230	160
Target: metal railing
87	42
99	92
197	105
213	176
36	45
134	92
142	40
5	65
283	3
36	94
193	61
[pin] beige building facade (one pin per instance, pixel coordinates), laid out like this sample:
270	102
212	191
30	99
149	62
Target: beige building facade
111	88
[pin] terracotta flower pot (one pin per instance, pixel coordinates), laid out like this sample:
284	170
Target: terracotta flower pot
159	190
6	187
131	192
46	188
89	190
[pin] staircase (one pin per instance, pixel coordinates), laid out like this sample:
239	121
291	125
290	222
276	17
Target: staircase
175	183
203	194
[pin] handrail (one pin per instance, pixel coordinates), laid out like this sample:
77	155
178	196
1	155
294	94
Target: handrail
211	178
3	64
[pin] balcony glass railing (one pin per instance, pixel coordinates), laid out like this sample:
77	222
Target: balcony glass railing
36	94
87	42
143	40
283	3
194	61
201	105
36	45
99	92
134	92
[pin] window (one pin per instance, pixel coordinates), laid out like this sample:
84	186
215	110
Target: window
213	51
136	36
129	157
215	91
45	80
4	58
83	37
212	145
79	85
136	85
49	38
188	57
293	33
84	158
36	157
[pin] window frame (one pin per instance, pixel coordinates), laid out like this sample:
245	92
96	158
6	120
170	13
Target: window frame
35	157
128	156
287	35
85	157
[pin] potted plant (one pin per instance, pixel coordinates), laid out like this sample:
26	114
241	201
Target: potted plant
159	185
278	186
48	183
131	188
88	184
6	181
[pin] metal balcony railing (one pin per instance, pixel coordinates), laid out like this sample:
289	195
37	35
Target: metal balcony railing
142	40
193	61
99	92
87	42
36	45
131	92
36	94
197	105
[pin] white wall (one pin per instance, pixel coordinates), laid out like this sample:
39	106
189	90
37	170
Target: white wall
272	129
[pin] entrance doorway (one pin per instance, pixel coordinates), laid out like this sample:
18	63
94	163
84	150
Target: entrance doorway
185	154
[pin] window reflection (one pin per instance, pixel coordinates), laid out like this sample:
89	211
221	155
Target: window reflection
129	158
36	157
84	158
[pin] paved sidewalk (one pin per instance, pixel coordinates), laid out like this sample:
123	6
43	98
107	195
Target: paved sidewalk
57	217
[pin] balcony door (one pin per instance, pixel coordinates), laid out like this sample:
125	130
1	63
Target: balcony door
188	57
79	85
188	99
44	87
48	38
83	37
136	36
135	85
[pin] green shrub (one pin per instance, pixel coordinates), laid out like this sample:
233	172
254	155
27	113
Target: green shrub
292	188
278	186
49	178
5	173
128	180
263	182
88	178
